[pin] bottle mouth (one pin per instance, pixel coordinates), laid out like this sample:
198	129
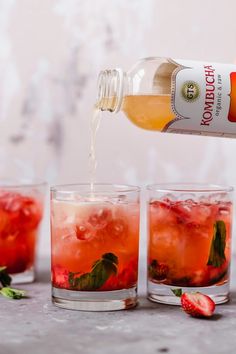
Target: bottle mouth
110	90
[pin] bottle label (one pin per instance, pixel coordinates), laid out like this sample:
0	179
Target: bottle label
203	98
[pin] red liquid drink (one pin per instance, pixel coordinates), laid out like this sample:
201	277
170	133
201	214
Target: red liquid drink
20	217
189	242
83	233
94	247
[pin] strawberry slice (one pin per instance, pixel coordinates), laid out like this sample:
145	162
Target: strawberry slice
60	277
126	279
157	271
197	304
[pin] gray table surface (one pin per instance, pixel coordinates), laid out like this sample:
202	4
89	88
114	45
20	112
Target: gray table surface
35	326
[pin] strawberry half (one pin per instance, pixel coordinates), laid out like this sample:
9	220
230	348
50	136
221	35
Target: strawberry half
197	304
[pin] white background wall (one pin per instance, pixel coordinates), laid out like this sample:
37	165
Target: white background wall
50	54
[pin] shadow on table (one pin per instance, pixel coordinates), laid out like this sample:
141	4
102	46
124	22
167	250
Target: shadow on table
43	276
147	305
232	300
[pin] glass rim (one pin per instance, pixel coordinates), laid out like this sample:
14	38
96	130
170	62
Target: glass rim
117	188
21	183
189	188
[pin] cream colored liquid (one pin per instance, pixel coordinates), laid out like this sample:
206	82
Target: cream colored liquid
150	112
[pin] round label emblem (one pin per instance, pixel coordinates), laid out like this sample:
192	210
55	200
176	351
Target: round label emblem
190	91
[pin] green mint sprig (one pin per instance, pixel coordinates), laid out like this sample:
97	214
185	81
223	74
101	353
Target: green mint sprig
217	251
5	281
102	269
11	293
5	278
177	292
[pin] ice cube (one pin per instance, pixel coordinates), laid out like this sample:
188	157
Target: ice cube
201	213
100	218
225	208
190	202
167	197
182	211
186	197
160	212
68	232
218	197
84	232
117	228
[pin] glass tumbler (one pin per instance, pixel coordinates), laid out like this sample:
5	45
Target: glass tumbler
21	212
95	241
189	240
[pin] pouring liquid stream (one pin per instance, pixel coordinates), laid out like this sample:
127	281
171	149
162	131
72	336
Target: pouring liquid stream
94	126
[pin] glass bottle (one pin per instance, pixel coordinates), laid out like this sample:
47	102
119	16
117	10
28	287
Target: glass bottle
179	96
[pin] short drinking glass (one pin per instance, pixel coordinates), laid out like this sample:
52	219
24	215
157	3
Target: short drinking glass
95	238
21	211
189	241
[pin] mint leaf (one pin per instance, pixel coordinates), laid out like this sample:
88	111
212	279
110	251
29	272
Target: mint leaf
84	282
72	278
102	269
5	278
217	251
12	293
177	292
6	291
152	268
110	257
101	272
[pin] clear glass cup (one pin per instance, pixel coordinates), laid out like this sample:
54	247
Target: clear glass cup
21	212
189	240
95	242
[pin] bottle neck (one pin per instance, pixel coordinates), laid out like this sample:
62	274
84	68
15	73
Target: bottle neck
110	90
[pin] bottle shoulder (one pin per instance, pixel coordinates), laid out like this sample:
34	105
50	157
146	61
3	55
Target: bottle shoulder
150	75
